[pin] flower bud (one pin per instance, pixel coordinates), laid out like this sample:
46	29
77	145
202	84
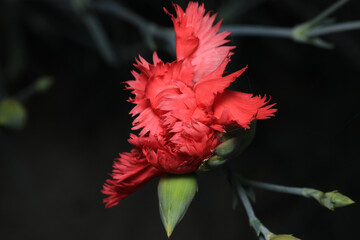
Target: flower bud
215	161
330	200
211	162
226	148
337	199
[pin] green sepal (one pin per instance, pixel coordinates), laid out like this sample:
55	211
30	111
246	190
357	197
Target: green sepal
175	195
12	114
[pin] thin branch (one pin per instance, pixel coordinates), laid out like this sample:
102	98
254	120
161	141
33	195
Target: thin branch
264	31
245	200
101	40
96	31
305	32
282	32
40	85
330	200
120	11
149	29
272	187
334	28
2	87
242	196
329	11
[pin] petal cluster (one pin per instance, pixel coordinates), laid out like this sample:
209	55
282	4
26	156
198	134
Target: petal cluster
182	107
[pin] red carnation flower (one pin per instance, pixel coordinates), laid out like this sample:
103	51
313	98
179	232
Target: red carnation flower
182	107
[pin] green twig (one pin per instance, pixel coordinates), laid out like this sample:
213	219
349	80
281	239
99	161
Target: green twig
95	30
330	200
149	29
324	14
240	192
40	85
272	187
334	28
307	32
263	31
99	36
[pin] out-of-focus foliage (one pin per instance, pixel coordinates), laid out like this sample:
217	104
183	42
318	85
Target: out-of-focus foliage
12	114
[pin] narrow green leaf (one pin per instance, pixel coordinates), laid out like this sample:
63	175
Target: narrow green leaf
175	195
283	237
12	114
250	193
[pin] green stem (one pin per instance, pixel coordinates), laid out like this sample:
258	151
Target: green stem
334	28
148	28
25	93
242	196
329	11
272	187
151	30
99	37
245	200
95	30
264	31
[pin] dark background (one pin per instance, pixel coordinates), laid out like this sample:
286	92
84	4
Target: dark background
52	170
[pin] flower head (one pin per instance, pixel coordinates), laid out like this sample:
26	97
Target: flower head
182	107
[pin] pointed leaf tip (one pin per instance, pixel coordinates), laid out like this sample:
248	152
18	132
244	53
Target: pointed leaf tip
175	195
283	237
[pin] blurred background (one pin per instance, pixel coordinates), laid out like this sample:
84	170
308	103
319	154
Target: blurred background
61	68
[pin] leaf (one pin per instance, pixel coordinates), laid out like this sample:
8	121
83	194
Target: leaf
12	114
175	195
250	193
283	237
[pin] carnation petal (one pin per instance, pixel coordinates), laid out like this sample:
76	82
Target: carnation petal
239	109
131	171
147	121
207	88
198	40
